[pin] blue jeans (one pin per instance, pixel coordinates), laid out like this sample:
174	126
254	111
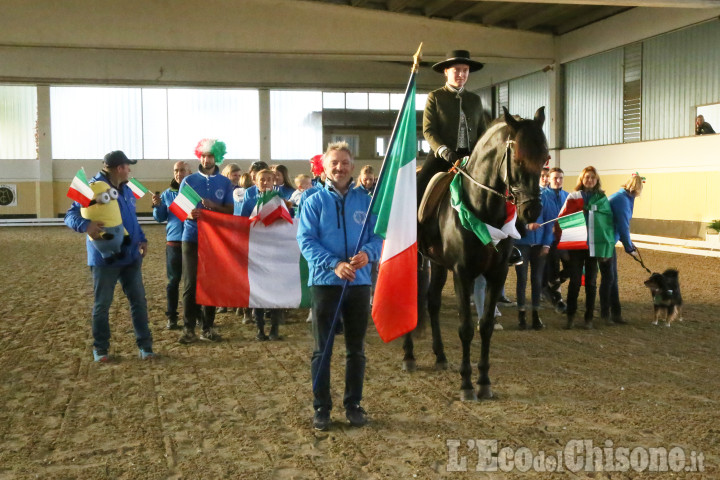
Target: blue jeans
173	265
355	311
536	262
104	281
479	295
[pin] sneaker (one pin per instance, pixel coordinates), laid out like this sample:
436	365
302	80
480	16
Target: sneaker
261	337
172	324
99	356
503	301
188	336
146	354
321	419
356	415
221	310
210	335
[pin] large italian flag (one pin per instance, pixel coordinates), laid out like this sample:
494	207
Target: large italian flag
394	309
242	263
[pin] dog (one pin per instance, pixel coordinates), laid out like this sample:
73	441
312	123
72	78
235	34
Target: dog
665	290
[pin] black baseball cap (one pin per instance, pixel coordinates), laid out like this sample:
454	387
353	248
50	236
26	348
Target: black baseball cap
117	158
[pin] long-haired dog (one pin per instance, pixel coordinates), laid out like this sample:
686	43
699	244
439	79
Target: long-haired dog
665	290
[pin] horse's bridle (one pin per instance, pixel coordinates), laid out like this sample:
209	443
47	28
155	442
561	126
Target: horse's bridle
510	196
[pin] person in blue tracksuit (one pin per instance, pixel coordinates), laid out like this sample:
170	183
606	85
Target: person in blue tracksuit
283	185
125	267
251	193
622	203
553	198
216	192
534	246
173	248
329	230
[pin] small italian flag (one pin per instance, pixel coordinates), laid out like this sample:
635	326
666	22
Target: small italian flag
185	202
80	190
270	207
137	188
573	232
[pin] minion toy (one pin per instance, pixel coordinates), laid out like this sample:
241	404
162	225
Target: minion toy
104	208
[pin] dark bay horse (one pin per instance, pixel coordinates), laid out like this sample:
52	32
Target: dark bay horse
504	166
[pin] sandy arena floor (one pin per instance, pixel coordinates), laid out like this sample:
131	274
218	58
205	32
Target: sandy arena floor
242	409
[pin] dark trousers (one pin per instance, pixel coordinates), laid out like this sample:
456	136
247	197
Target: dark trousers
556	269
609	293
192	312
173	266
580	259
355	310
536	262
259	314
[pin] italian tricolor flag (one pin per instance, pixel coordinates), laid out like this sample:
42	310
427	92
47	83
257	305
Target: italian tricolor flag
242	263
573	232
270	206
185	202
137	188
394	309
600	231
80	190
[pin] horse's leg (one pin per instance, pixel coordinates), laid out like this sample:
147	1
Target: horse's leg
423	280
408	363
438	277
466	331
487	327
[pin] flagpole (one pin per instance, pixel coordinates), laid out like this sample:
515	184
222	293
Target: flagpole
331	337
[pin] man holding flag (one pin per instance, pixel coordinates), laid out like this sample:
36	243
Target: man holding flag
214	192
331	225
125	267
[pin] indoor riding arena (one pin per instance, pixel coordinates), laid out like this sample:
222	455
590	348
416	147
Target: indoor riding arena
631	88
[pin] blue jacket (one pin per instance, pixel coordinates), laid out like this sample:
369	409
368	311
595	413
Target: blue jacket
161	213
215	187
126	201
284	191
249	201
329	230
543	235
361	188
622	204
553	200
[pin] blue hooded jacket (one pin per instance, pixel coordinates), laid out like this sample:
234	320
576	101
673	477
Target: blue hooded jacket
161	213
126	200
622	204
329	229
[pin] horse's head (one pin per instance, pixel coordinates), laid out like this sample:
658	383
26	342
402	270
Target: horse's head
530	152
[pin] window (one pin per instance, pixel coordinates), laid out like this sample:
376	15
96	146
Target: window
711	114
152	123
353	142
18	119
295	124
381	144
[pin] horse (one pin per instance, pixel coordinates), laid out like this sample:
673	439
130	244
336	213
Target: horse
504	167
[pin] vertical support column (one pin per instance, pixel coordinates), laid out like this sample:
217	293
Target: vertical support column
557	114
264	94
44	191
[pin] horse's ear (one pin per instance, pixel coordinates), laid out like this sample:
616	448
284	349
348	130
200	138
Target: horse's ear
510	120
540	116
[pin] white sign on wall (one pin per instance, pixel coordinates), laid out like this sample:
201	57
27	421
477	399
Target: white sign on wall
8	195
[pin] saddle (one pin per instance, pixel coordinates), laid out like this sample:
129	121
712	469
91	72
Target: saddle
437	188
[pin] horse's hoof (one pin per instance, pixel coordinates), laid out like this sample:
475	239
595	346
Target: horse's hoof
441	365
409	366
485	392
468	395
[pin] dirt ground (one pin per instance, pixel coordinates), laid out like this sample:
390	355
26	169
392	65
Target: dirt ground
242	408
